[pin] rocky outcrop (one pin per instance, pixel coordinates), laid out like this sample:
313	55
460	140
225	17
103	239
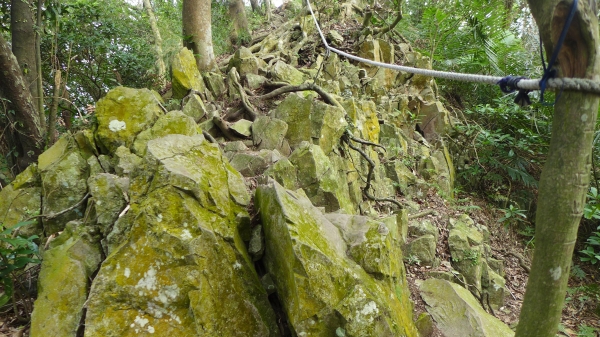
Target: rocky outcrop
323	292
457	313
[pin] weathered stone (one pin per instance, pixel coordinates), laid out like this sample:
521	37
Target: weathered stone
371	244
493	285
328	124
109	193
457	313
245	62
251	164
321	183
105	163
195	108
423	248
284	173
256	247
174	122
450	276
418	228
255	81
242	127
215	83
364	117
183	269
425	325
301	247
295	112
236	146
185	75
283	72
64	173
122	114
392	138
466	248
400	175
125	162
335	38
269	133
21	200
64	280
434	121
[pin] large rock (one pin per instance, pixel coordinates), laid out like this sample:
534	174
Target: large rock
466	248
64	281
122	114
109	193
312	121
21	200
323	292
185	75
182	269
64	173
174	122
283	72
245	62
269	133
322	184
457	313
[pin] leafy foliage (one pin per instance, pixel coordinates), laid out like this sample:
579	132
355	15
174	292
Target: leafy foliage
15	253
507	145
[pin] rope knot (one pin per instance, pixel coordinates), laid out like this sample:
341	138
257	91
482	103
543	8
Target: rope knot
508	84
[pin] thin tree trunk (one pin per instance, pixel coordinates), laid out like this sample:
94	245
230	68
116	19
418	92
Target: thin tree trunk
23	41
54	109
197	33
255	6
162	72
237	12
38	62
268	9
565	177
25	119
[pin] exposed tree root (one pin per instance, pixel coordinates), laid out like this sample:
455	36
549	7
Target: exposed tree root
235	77
346	138
209	137
224	127
303	87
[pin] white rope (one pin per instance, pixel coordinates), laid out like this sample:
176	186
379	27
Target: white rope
574	84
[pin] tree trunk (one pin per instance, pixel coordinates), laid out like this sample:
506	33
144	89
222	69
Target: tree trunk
38	63
268	9
237	13
565	177
23	41
197	33
54	109
25	119
255	6
162	72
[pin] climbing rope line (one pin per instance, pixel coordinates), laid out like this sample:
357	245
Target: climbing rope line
563	83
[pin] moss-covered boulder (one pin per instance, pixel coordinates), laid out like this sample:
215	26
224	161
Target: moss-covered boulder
466	248
195	108
457	313
124	161
182	268
374	245
109	192
245	62
64	281
185	75
269	133
363	115
64	173
21	200
251	164
122	114
174	122
312	121
323	292
283	72
322	184
215	84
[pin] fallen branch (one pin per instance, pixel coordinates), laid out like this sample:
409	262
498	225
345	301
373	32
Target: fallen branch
303	87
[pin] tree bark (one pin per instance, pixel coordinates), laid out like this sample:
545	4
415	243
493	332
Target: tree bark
25	119
162	72
255	6
54	109
23	41
38	63
197	33
565	177
237	13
